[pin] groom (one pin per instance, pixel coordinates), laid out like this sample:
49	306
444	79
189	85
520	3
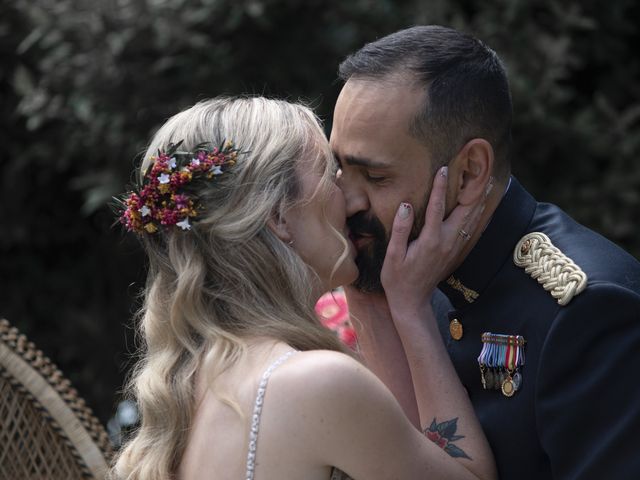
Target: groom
541	316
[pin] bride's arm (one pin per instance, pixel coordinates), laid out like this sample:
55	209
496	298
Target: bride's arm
409	275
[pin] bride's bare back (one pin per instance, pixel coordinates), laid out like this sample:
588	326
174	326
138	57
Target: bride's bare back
219	440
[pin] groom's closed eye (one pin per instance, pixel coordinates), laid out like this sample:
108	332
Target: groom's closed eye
374	172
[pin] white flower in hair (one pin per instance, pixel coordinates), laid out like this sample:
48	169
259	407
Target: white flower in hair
184	224
144	211
216	170
172	163
195	162
164	178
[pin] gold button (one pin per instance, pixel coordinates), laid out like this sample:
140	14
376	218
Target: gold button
455	329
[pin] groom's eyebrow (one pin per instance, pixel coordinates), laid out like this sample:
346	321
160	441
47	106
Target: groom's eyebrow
363	162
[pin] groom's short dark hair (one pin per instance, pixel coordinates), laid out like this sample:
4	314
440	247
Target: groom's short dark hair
467	90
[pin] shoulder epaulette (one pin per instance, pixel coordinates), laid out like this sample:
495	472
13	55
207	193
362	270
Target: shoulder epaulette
556	272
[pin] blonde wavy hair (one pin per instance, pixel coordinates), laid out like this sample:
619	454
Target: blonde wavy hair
227	278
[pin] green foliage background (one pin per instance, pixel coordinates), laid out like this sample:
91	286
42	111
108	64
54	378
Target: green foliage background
85	83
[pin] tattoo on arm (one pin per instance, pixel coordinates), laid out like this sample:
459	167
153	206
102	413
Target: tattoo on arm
444	434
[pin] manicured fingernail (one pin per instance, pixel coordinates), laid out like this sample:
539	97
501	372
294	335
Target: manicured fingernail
404	210
444	171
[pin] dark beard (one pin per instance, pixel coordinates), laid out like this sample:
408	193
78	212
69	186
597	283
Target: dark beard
371	258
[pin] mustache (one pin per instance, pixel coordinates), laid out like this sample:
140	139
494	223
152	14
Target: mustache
363	224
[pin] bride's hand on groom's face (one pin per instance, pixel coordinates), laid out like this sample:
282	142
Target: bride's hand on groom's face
412	270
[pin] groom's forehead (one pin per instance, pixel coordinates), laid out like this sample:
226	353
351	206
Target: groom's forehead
367	113
367	97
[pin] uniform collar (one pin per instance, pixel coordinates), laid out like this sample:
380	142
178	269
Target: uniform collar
493	249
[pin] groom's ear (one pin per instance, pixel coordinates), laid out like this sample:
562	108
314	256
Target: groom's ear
277	223
470	172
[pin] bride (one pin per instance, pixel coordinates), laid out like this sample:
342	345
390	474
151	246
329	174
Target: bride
243	223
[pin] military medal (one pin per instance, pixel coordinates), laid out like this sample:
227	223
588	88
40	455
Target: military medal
500	361
517	380
508	387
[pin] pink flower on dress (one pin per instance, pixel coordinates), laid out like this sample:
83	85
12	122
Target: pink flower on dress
333	312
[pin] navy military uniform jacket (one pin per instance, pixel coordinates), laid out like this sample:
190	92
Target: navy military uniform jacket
577	412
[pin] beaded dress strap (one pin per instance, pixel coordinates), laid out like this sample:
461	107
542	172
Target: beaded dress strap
257	411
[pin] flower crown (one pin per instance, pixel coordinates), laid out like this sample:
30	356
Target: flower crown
161	200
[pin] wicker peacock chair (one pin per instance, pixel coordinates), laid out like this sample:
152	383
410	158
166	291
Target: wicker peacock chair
46	430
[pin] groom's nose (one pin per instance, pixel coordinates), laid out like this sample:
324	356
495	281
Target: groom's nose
355	196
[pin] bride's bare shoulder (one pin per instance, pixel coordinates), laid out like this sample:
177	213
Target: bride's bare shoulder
319	375
323	402
322	365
